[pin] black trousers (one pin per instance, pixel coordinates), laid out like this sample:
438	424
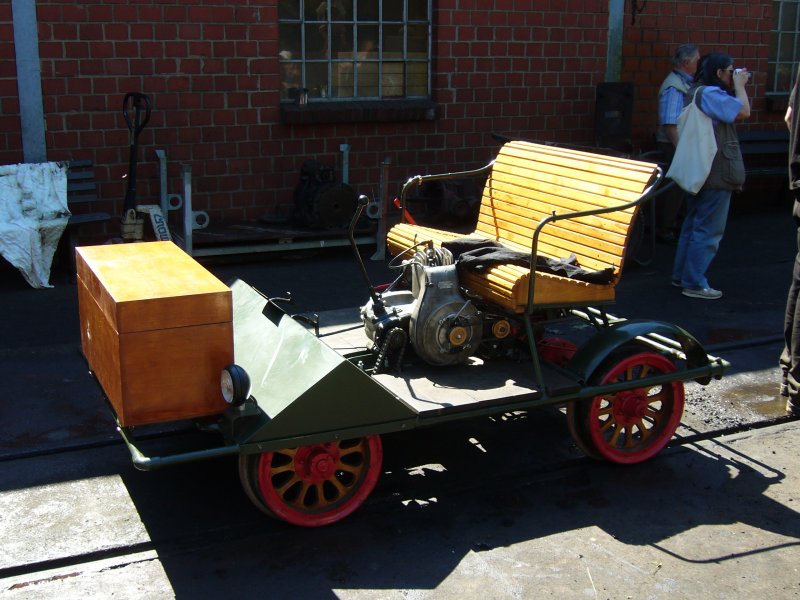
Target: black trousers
790	357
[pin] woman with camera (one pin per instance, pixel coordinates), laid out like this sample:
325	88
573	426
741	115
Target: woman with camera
719	91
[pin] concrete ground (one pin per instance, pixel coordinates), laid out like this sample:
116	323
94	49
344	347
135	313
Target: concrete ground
499	509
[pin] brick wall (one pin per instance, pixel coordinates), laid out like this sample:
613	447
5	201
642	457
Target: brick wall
211	70
10	132
738	27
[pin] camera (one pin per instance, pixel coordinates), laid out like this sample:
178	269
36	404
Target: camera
749	74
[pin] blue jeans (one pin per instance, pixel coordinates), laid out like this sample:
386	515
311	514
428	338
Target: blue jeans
702	230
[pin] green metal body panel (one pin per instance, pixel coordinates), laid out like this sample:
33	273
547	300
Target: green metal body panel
304	391
601	345
303	388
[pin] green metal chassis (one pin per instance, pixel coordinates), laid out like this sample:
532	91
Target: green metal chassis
305	392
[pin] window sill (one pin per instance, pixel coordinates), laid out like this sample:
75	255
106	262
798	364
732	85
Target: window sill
358	111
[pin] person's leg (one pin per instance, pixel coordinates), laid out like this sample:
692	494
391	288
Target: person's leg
711	215
790	357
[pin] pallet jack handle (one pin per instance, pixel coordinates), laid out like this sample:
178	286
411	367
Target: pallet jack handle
140	104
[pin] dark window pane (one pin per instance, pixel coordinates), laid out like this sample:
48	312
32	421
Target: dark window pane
786	52
417	80
317	79
342	10
289	40
392	10
789	16
342	42
289	9
392	80
342	80
367	10
417	10
316	41
367	79
367	41
418	41
316	10
783	79
393	40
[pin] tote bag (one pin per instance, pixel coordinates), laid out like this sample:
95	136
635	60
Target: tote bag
696	148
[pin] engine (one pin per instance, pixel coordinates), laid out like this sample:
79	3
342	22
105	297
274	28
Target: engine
442	326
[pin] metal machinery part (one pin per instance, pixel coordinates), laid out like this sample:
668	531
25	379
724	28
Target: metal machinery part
442	326
445	328
399	304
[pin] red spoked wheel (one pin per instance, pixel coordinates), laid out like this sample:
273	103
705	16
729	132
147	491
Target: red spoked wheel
631	426
313	485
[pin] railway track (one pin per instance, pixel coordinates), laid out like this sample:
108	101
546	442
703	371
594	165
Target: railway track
508	466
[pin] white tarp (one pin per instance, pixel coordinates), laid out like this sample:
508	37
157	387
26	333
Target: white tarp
33	215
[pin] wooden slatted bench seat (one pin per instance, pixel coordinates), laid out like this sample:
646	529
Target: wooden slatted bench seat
552	202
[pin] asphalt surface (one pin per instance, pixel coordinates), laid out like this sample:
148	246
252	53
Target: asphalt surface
504	508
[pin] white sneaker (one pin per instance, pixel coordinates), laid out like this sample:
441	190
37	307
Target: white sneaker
703	293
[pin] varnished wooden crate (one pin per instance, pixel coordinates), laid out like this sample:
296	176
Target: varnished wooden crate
156	329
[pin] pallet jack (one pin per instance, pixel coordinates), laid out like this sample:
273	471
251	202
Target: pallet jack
132	222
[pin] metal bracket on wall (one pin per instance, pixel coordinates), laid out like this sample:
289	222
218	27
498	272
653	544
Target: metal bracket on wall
191	219
383	192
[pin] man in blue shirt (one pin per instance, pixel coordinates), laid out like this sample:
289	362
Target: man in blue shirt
670	104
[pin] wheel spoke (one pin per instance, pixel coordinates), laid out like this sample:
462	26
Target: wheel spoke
615	436
653	413
643	430
606	410
340	487
282	469
629	438
286	486
300	501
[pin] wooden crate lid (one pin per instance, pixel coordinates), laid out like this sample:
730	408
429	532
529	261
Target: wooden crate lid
152	285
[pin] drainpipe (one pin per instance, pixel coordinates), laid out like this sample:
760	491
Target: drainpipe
616	18
29	80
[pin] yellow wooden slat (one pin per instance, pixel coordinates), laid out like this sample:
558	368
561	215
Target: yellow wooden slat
571	177
556	196
620	167
571	243
595	226
569	183
524	200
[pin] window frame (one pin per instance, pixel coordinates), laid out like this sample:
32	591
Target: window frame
776	62
325	94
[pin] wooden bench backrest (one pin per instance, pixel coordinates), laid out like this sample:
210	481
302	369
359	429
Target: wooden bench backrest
529	181
81	186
